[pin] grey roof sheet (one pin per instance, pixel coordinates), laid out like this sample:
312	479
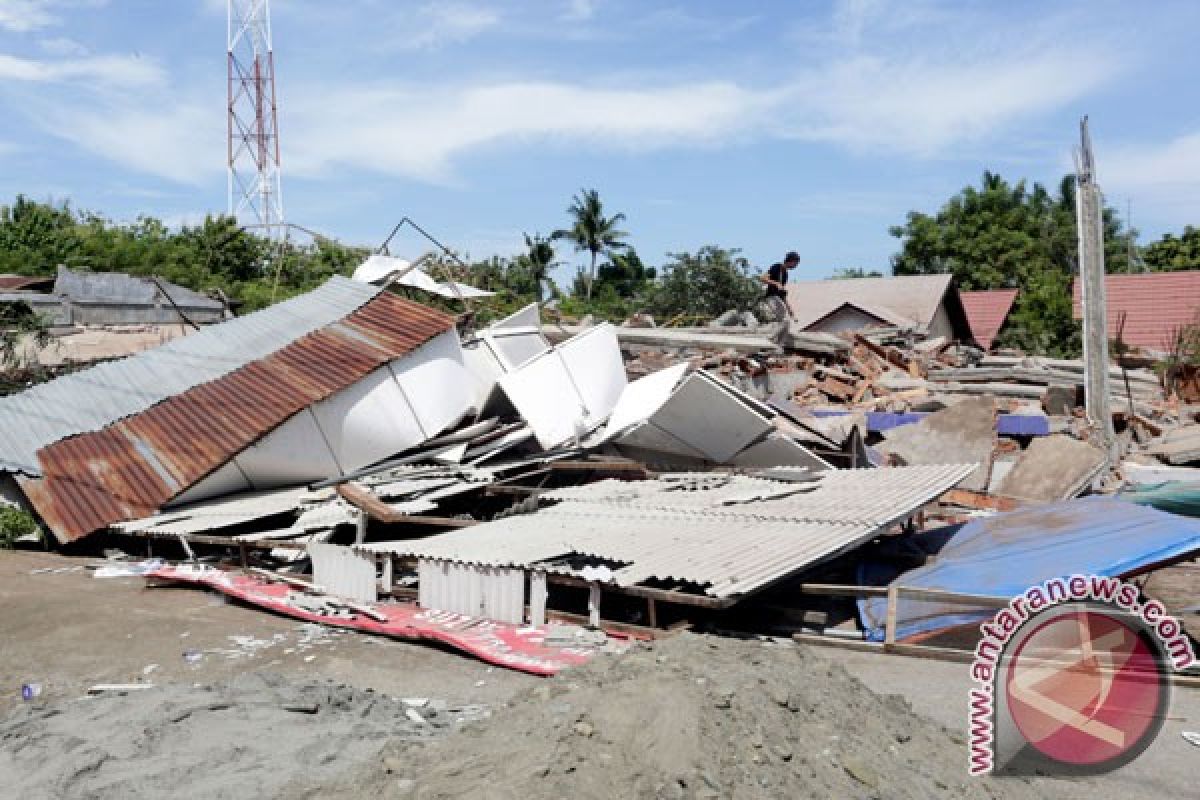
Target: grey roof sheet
120	288
718	535
94	398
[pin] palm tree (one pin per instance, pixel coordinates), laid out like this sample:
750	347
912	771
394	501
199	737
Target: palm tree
592	231
539	257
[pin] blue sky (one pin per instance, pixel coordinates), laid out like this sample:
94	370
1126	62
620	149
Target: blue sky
766	126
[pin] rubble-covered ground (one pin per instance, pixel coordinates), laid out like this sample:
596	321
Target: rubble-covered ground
276	709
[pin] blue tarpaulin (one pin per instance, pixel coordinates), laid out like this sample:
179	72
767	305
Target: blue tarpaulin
1006	554
1006	424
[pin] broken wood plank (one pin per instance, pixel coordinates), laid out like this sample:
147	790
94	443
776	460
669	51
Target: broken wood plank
979	500
376	509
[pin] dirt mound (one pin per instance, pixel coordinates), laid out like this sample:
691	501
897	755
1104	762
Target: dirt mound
689	717
245	738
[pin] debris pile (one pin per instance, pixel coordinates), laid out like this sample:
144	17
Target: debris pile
693	717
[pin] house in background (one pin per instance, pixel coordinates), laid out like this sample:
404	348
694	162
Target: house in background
987	313
1156	306
94	316
927	304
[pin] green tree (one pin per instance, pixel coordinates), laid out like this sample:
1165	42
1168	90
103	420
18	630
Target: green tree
533	266
591	231
1002	235
1172	252
625	273
704	284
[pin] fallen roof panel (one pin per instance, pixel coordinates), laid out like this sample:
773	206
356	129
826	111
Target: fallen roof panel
130	468
695	529
97	397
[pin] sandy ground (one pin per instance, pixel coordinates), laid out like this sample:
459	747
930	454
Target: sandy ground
275	708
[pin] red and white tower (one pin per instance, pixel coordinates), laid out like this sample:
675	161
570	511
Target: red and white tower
255	195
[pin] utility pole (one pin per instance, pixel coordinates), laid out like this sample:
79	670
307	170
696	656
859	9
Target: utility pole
255	193
1090	228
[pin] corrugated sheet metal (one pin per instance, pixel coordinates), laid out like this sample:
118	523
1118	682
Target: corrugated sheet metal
868	496
490	592
715	536
94	398
1005	554
344	572
10	282
1156	306
986	312
134	466
239	509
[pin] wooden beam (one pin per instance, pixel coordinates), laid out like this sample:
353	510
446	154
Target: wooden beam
662	595
970	499
376	509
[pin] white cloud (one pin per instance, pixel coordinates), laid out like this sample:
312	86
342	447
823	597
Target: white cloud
23	16
109	70
419	132
579	10
182	143
63	46
441	24
1162	180
923	106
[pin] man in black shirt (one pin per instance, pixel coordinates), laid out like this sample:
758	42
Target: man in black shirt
776	282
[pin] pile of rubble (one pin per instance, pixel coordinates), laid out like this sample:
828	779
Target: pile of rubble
376	464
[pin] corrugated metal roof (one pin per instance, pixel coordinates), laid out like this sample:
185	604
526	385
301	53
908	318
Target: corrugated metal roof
868	496
913	297
714	536
121	289
986	312
134	466
1156	306
10	282
235	510
91	399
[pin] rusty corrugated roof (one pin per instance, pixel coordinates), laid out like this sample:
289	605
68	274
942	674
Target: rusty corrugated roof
986	312
132	467
1156	306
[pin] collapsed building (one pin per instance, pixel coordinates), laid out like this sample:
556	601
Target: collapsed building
353	457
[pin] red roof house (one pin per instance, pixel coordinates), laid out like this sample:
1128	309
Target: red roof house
986	312
1156	306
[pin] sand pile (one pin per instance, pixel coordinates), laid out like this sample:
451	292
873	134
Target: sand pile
690	717
247	738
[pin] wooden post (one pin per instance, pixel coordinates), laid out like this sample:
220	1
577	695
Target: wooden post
652	612
889	628
594	605
242	555
537	597
1090	230
385	572
360	527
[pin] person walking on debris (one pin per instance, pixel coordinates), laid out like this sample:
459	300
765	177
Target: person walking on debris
776	282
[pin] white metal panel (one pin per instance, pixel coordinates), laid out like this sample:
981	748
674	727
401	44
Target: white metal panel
642	398
571	389
710	419
594	360
779	451
367	421
436	383
546	397
344	571
478	591
295	452
226	479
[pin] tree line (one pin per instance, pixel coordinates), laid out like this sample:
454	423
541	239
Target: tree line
995	235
